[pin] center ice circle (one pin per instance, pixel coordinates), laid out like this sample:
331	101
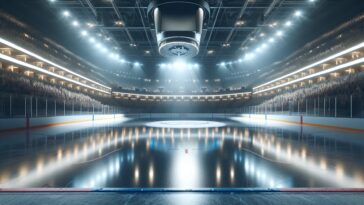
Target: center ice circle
185	124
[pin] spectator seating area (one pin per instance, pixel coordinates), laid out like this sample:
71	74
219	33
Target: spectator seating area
341	38
347	91
15	84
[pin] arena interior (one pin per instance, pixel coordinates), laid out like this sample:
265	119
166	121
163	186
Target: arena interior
182	102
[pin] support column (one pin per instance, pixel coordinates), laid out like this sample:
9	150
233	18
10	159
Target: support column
324	107
314	107
318	106
36	107
306	108
335	106
46	107
25	107
351	106
11	108
31	106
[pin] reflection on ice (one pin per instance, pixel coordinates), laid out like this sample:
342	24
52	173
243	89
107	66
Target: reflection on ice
185	158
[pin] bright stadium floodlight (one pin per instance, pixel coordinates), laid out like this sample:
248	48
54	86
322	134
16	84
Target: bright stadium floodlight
112	55
98	45
298	13
75	23
179	64
279	33
271	40
196	65
84	33
90	25
92	40
223	64
288	23
104	50
249	56
66	13
136	64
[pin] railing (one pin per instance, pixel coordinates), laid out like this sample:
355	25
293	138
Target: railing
350	106
20	106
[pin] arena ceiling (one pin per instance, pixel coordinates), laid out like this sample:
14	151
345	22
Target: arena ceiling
234	27
231	23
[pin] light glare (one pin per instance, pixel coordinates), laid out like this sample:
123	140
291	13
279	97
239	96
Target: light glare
75	23
84	33
179	64
279	33
249	56
66	13
298	13
288	23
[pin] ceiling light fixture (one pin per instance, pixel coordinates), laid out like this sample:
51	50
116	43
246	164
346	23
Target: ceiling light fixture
84	33
75	23
249	56
66	13
279	33
226	45
288	23
298	13
90	25
239	23
119	23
